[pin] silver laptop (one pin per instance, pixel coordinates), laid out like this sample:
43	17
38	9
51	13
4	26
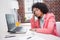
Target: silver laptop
10	19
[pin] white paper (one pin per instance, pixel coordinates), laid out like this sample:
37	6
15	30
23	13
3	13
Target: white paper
36	38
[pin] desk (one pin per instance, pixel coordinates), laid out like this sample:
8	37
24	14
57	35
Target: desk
34	35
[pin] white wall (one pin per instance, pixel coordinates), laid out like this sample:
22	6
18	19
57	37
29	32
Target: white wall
4	8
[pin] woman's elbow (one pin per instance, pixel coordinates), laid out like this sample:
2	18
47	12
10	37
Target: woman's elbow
45	31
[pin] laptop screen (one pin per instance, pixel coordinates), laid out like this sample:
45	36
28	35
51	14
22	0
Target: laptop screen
10	18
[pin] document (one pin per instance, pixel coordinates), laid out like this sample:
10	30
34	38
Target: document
33	36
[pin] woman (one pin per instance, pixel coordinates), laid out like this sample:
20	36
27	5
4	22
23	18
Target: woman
46	21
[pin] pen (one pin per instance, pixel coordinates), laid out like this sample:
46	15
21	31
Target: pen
9	36
29	37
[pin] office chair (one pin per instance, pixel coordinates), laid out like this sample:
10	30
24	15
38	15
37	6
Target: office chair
58	28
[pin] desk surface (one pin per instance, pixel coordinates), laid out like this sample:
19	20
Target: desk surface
33	36
28	36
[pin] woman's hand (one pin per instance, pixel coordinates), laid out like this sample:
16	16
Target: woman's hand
33	16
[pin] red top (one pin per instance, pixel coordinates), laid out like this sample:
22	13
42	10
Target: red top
49	26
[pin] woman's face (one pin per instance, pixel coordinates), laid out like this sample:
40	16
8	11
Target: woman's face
37	12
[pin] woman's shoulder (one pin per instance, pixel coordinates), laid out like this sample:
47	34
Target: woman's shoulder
50	15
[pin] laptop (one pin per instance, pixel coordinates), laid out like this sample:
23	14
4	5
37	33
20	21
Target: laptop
10	19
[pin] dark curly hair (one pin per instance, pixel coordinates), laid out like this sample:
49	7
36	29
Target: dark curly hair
43	7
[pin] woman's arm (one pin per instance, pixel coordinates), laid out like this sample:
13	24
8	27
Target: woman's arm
32	21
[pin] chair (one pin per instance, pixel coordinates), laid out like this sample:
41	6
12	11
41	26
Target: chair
58	28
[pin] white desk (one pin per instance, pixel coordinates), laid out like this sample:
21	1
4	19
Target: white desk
34	35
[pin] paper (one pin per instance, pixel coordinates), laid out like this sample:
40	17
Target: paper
33	36
36	38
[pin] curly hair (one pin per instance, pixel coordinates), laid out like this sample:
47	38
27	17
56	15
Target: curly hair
43	7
